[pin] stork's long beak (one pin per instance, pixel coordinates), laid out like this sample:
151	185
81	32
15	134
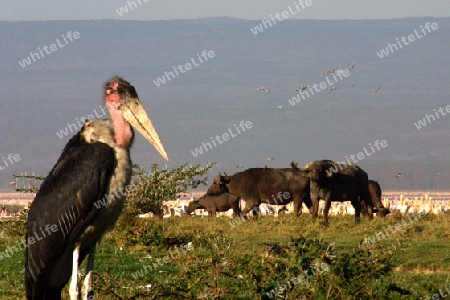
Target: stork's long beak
136	115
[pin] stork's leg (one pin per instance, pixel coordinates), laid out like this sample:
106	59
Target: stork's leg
73	290
86	290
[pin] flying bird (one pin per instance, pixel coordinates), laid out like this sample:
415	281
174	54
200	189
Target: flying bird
334	88
239	166
376	90
261	88
270	158
351	66
66	219
302	88
330	71
351	85
399	175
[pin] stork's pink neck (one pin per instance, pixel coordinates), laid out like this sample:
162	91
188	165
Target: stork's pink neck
122	129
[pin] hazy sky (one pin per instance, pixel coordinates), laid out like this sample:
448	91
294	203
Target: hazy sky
16	10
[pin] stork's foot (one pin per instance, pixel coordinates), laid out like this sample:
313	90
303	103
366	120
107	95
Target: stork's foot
86	290
73	293
89	296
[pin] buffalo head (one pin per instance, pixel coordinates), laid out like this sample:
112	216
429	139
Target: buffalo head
319	171
383	212
219	185
193	205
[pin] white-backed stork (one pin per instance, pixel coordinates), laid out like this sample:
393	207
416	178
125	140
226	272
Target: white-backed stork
63	224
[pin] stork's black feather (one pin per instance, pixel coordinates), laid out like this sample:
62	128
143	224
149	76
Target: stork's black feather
94	166
66	199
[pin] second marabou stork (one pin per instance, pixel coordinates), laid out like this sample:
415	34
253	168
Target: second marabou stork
65	221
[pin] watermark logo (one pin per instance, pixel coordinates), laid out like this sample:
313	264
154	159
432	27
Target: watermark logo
34	56
11	158
49	229
225	137
187	66
441	295
265	24
74	127
304	279
369	241
280	196
131	4
358	157
391	48
430	118
38	236
308	92
240	219
129	189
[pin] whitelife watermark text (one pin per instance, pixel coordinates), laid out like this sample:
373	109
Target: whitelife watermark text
34	56
187	66
265	24
391	48
358	157
131	4
441	295
225	137
430	118
74	127
49	229
304	279
388	230
315	87
282	196
12	158
37	236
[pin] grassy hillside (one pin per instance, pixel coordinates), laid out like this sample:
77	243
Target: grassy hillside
212	258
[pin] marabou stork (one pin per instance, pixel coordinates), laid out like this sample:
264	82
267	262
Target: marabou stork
65	220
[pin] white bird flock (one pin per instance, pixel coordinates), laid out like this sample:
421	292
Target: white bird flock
403	205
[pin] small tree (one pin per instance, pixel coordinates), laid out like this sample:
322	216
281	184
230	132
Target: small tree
27	183
158	185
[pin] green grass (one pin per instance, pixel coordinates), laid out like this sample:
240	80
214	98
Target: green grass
233	263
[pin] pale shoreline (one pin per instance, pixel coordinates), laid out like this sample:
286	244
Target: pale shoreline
23	199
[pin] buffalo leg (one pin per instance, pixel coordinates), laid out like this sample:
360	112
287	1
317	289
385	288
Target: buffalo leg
314	199
326	209
315	206
364	209
247	209
357	206
236	211
297	207
255	212
307	200
370	211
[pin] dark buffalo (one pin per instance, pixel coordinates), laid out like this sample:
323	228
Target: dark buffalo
215	203
375	196
331	181
272	186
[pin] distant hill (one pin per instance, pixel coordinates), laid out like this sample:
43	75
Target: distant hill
39	100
